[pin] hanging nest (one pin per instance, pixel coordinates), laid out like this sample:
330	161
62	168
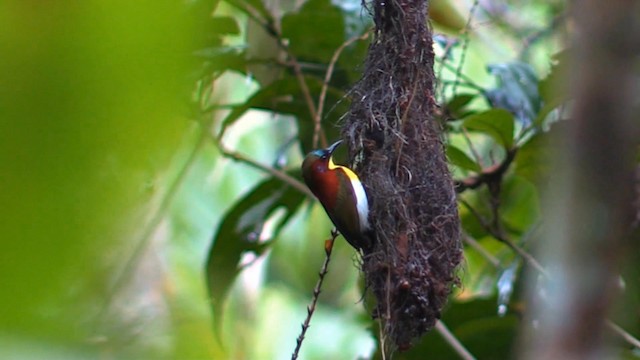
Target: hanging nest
396	148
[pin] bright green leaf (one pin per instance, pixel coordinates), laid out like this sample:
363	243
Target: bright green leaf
553	88
519	204
315	31
253	8
458	158
224	25
239	231
457	106
275	97
534	158
497	123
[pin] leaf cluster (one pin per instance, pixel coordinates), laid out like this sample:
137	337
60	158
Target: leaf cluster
498	147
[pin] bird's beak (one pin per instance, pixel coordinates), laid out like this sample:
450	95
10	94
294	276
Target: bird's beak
333	146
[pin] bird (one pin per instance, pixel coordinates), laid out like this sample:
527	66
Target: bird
341	193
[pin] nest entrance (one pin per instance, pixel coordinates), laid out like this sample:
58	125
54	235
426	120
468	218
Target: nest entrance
397	150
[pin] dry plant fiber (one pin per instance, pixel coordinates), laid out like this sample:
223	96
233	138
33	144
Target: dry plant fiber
396	148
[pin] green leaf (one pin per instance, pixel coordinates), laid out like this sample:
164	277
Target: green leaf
553	88
226	25
479	200
458	158
238	233
276	97
519	204
534	158
456	107
284	97
517	90
253	8
315	31
219	59
497	123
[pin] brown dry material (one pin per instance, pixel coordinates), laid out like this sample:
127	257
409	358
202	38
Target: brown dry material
396	147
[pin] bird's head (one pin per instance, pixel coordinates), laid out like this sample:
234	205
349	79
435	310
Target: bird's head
319	161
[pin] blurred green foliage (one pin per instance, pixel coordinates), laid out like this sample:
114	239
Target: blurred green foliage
90	117
126	221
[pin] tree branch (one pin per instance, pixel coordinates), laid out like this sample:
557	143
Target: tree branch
453	341
465	44
500	236
481	250
283	176
328	247
130	264
325	86
490	175
272	29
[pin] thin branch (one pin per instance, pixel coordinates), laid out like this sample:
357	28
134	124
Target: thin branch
490	174
467	80
328	247
121	278
475	153
297	70
500	236
453	341
529	259
530	40
443	60
481	250
281	175
465	45
325	86
525	255
623	333
465	84
271	28
254	14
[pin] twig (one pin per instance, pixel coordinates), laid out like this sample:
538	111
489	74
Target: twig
383	339
271	28
453	341
465	83
443	60
490	174
481	250
536	36
500	236
467	80
475	153
465	45
325	86
623	333
254	14
536	265
283	176
525	255
328	247
120	279
297	70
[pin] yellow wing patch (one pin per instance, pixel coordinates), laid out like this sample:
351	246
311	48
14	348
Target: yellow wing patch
350	174
362	204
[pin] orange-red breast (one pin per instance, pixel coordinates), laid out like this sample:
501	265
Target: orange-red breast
341	194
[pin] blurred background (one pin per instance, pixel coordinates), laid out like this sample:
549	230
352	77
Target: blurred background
149	158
